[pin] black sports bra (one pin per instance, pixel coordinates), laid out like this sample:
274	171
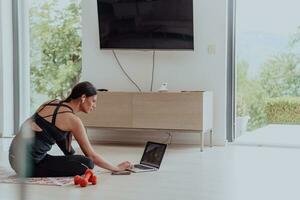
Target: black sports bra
49	135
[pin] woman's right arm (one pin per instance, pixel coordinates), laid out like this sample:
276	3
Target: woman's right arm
80	135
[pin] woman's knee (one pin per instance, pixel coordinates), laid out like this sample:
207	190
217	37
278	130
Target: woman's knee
89	163
86	161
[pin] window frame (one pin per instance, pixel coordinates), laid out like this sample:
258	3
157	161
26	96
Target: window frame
231	60
6	69
21	67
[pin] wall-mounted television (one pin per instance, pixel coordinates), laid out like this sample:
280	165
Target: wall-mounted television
146	24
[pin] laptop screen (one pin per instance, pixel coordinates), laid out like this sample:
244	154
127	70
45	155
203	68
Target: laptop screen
153	154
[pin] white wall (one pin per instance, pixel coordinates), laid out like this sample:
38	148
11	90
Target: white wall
6	69
1	72
200	69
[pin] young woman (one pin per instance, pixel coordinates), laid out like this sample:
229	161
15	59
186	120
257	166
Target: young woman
56	122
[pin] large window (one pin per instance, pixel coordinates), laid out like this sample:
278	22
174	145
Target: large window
267	64
55	48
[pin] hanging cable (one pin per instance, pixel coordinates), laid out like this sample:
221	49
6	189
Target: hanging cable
169	139
153	64
125	71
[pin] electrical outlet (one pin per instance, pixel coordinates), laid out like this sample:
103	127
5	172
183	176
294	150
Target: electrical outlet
211	49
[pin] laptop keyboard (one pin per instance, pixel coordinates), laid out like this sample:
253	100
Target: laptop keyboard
142	167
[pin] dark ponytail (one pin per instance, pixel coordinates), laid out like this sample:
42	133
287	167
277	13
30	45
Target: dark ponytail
82	88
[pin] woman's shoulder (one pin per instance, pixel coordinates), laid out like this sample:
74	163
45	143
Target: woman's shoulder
75	118
45	104
51	101
71	121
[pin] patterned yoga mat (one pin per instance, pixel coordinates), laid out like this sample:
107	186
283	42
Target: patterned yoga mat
9	176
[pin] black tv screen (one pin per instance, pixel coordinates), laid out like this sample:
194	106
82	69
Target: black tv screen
146	24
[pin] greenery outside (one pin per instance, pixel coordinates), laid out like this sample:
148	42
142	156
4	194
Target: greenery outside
283	110
55	53
273	96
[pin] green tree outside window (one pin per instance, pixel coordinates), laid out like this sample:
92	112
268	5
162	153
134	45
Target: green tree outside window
55	54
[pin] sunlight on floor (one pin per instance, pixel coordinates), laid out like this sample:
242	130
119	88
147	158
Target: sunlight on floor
272	135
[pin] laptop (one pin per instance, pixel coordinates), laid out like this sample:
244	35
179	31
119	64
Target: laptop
152	157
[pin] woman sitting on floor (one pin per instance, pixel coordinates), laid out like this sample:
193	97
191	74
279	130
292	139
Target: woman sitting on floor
56	122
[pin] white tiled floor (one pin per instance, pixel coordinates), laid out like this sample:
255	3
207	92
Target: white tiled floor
218	173
272	135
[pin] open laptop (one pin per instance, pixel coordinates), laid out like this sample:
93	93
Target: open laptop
152	157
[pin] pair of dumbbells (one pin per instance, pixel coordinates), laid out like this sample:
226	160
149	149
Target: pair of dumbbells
89	176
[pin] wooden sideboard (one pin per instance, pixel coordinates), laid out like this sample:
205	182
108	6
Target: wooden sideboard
173	111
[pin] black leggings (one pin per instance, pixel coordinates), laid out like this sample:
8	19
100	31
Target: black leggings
58	166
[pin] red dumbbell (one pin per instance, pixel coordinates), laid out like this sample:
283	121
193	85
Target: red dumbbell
93	179
77	179
88	177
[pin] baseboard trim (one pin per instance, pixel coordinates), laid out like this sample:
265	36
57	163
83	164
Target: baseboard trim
140	137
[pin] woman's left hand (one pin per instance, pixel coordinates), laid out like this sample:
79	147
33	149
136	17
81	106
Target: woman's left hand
125	165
